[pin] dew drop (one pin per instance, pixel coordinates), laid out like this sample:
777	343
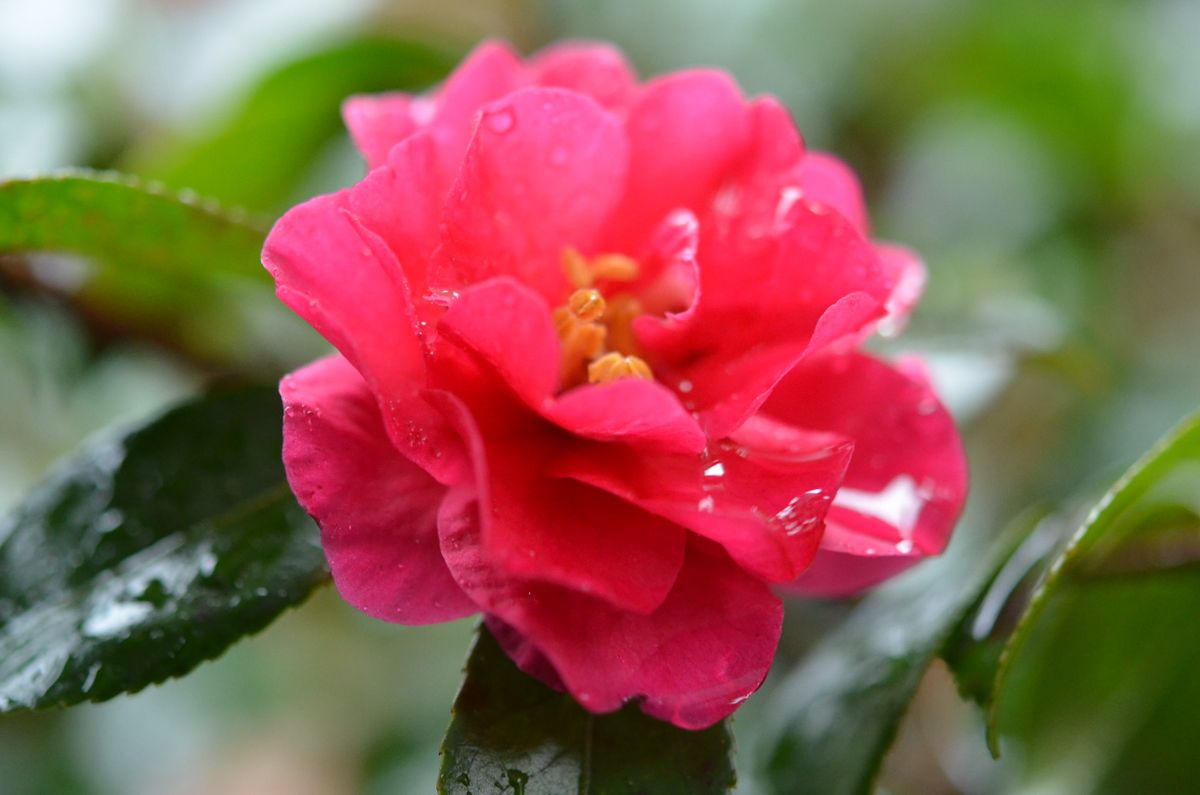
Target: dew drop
443	298
500	121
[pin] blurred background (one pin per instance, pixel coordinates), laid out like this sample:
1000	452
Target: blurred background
1044	158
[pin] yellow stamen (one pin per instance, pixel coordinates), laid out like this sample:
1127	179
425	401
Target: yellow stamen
619	317
579	274
612	366
615	267
587	305
582	273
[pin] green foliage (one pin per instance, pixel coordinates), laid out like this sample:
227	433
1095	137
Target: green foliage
258	157
146	554
1097	682
831	721
141	259
513	734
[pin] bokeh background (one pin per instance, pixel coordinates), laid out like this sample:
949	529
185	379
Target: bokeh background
1043	157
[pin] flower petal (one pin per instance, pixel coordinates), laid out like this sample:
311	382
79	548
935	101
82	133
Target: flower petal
542	173
345	281
628	410
906	482
377	123
399	202
377	511
685	132
597	69
561	531
827	180
762	495
692	661
508	327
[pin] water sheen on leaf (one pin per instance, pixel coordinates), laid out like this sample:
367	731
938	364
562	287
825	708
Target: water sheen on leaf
1097	683
143	555
830	722
512	734
138	259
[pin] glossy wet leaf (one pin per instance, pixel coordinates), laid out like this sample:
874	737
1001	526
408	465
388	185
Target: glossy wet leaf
1097	683
144	554
258	157
512	734
139	259
830	722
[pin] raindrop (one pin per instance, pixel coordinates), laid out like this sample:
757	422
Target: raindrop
500	121
443	298
685	386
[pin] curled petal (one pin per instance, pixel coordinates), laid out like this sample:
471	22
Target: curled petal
563	532
593	68
345	281
906	482
828	181
691	662
377	123
377	510
508	327
543	171
762	495
685	133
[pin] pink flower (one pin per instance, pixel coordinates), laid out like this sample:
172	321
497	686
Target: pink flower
597	376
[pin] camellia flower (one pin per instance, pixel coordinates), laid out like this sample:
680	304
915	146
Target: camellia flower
598	376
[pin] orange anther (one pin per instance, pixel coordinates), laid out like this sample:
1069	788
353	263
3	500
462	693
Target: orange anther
587	305
612	366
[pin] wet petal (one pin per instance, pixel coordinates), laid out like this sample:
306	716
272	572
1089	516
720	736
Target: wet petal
564	532
685	132
593	68
906	482
543	171
692	661
762	494
377	123
377	511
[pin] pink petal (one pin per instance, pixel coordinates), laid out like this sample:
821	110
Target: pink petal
629	410
762	495
490	72
727	388
906	482
377	511
543	171
593	68
507	326
692	661
399	202
345	281
828	181
564	532
377	123
907	272
685	131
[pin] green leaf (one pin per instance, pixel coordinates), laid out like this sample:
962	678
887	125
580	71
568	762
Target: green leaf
143	260
513	734
829	724
258	157
145	554
1097	682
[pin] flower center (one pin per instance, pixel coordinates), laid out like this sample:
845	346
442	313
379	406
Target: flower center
598	345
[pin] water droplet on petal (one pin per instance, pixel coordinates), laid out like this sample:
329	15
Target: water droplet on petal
500	121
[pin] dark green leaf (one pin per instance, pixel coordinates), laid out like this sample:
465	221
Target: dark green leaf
830	722
1097	682
145	554
259	156
145	260
512	734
